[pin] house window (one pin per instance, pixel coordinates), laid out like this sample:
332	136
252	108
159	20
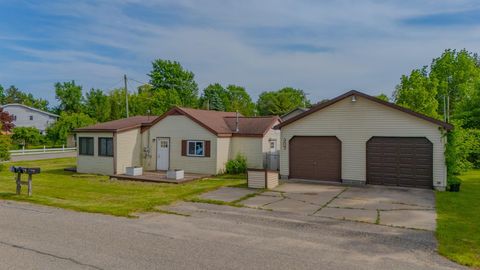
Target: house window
163	144
14	117
273	145
196	148
31	117
85	146
105	147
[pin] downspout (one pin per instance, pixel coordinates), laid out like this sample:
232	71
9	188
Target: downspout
237	129
114	152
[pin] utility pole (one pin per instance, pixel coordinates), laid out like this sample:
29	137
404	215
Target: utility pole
126	93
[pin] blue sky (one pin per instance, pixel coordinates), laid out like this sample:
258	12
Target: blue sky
322	47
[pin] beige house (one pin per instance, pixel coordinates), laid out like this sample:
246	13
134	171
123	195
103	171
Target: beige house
108	148
357	139
197	141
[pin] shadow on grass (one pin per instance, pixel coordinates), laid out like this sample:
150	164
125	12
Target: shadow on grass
7	195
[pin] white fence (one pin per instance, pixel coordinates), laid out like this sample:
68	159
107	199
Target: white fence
43	150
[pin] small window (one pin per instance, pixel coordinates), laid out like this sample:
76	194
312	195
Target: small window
85	146
163	144
196	148
14	117
31	117
272	145
105	147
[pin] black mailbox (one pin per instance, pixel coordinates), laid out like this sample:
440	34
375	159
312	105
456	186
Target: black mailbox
32	170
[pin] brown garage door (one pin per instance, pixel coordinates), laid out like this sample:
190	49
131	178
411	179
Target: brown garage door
400	161
315	158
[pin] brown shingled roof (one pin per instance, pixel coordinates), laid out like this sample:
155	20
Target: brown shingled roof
120	124
251	126
223	124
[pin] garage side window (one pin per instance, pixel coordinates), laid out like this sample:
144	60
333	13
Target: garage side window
196	148
105	147
85	146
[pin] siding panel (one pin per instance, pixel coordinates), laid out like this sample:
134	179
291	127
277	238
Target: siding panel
354	123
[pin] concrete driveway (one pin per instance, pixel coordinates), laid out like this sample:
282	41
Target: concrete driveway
391	206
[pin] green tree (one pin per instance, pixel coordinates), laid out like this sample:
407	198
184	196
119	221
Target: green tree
59	131
27	136
140	103
214	97
163	100
281	101
5	145
70	96
457	75
383	97
418	92
14	95
97	105
116	98
2	95
239	100
170	75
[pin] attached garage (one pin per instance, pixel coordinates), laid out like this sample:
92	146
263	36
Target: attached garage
359	139
400	161
315	158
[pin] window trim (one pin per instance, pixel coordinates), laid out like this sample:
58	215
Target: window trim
99	147
196	141
80	148
31	117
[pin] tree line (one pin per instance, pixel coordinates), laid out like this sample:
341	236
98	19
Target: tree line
170	84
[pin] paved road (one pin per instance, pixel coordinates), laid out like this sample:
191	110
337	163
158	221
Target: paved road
43	156
213	237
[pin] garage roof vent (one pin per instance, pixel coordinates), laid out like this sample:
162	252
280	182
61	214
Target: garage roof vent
354	98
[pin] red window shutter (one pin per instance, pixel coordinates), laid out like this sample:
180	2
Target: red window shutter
184	147
207	148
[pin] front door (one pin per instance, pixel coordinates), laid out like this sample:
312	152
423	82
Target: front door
163	154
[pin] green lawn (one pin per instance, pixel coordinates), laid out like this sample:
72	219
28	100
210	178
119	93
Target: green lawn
458	228
98	194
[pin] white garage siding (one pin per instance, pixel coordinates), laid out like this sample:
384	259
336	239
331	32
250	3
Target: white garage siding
354	123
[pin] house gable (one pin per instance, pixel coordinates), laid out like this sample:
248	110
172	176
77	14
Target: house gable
355	94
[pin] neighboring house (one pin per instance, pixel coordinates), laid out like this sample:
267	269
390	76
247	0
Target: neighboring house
25	116
357	139
197	141
293	113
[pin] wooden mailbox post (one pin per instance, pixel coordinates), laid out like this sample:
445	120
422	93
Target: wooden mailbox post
18	178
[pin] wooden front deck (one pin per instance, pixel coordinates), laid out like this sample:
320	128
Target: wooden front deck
159	177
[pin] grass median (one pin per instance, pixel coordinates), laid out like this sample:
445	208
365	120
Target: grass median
97	194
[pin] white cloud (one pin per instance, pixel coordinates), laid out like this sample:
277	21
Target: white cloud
235	42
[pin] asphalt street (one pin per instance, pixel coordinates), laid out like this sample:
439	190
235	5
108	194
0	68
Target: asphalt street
212	237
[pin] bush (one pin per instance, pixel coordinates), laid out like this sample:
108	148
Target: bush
5	143
463	150
237	165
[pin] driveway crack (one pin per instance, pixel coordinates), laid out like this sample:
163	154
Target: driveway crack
50	255
331	200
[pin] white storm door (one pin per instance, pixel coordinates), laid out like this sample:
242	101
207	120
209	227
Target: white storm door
163	153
